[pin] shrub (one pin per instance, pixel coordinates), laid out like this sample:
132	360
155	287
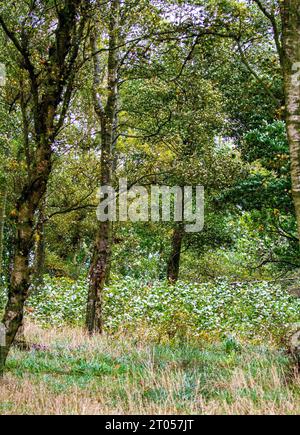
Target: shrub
245	310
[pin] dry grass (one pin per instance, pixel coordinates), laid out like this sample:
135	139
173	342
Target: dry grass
75	374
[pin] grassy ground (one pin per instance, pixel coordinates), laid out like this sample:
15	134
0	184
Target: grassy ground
70	373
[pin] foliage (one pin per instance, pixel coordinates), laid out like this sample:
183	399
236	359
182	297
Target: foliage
250	310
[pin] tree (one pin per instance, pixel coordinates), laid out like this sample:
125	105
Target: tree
290	59
44	100
106	114
124	45
286	36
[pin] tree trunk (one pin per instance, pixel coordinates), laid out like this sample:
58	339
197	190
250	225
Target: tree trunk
98	276
100	266
20	341
20	277
39	254
174	259
290	12
3	200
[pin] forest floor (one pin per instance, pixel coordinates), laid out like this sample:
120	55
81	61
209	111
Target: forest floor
66	372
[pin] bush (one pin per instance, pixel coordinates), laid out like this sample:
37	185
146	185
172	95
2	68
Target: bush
246	310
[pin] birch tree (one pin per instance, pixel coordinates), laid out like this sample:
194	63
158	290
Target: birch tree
49	64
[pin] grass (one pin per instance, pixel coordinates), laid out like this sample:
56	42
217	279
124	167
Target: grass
69	373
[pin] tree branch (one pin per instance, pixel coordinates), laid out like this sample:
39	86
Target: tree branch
254	73
271	17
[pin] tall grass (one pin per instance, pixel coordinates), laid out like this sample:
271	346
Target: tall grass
67	372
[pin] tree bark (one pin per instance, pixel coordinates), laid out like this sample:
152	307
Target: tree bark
174	259
20	276
3	201
100	265
290	13
39	254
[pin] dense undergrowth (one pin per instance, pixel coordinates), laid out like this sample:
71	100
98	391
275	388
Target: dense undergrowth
183	349
247	310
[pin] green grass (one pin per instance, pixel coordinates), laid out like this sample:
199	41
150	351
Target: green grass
122	375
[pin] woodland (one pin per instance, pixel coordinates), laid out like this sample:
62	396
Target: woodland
144	317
